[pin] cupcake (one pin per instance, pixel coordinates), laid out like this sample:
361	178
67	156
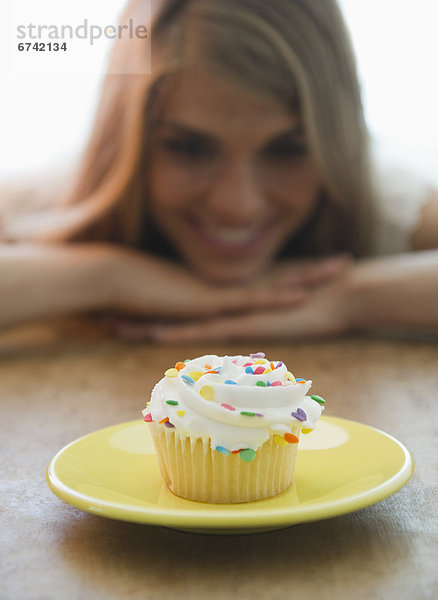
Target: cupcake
226	429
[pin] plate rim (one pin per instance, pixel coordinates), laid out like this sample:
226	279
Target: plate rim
218	518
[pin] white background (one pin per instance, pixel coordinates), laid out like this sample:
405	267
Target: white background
44	121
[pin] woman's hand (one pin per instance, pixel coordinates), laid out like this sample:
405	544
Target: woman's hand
139	285
326	312
39	281
390	293
260	309
143	285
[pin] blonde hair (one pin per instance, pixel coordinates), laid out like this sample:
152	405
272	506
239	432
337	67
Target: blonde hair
296	52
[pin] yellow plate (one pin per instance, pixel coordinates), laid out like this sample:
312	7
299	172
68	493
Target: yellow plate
342	466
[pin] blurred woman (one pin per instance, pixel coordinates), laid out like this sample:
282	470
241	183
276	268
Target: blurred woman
231	194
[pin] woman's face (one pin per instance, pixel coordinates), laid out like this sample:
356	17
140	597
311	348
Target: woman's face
231	179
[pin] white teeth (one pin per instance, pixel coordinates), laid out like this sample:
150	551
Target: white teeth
232	236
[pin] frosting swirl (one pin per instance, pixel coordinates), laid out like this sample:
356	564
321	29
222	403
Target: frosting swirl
237	402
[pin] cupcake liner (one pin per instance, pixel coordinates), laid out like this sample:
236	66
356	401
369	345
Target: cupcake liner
192	470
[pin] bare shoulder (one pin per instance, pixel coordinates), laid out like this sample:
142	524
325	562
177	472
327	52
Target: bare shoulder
425	236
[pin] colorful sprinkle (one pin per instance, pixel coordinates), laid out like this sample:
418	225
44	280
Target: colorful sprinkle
300	415
249	370
300	380
207	366
212	372
290	377
180	413
187	360
228	407
261	361
247	455
259	415
171	372
169	424
269	370
291	438
230	382
279	440
207	392
195	375
236	451
278	365
272	366
247	413
259	370
188	379
248	365
257	355
276	383
223	450
180	365
148	418
306	430
164	420
318	399
172	402
261	383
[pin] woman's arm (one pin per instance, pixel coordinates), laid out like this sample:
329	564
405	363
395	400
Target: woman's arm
39	281
398	293
401	291
44	280
425	236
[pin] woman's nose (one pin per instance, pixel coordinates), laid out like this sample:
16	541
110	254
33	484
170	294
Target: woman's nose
235	196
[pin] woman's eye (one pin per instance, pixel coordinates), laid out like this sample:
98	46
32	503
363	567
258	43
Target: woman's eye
285	150
190	148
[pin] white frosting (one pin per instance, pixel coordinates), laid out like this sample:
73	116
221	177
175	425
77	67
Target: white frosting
198	416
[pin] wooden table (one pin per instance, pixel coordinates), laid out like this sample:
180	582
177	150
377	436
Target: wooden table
56	386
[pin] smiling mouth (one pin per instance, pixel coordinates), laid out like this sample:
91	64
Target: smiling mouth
231	240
